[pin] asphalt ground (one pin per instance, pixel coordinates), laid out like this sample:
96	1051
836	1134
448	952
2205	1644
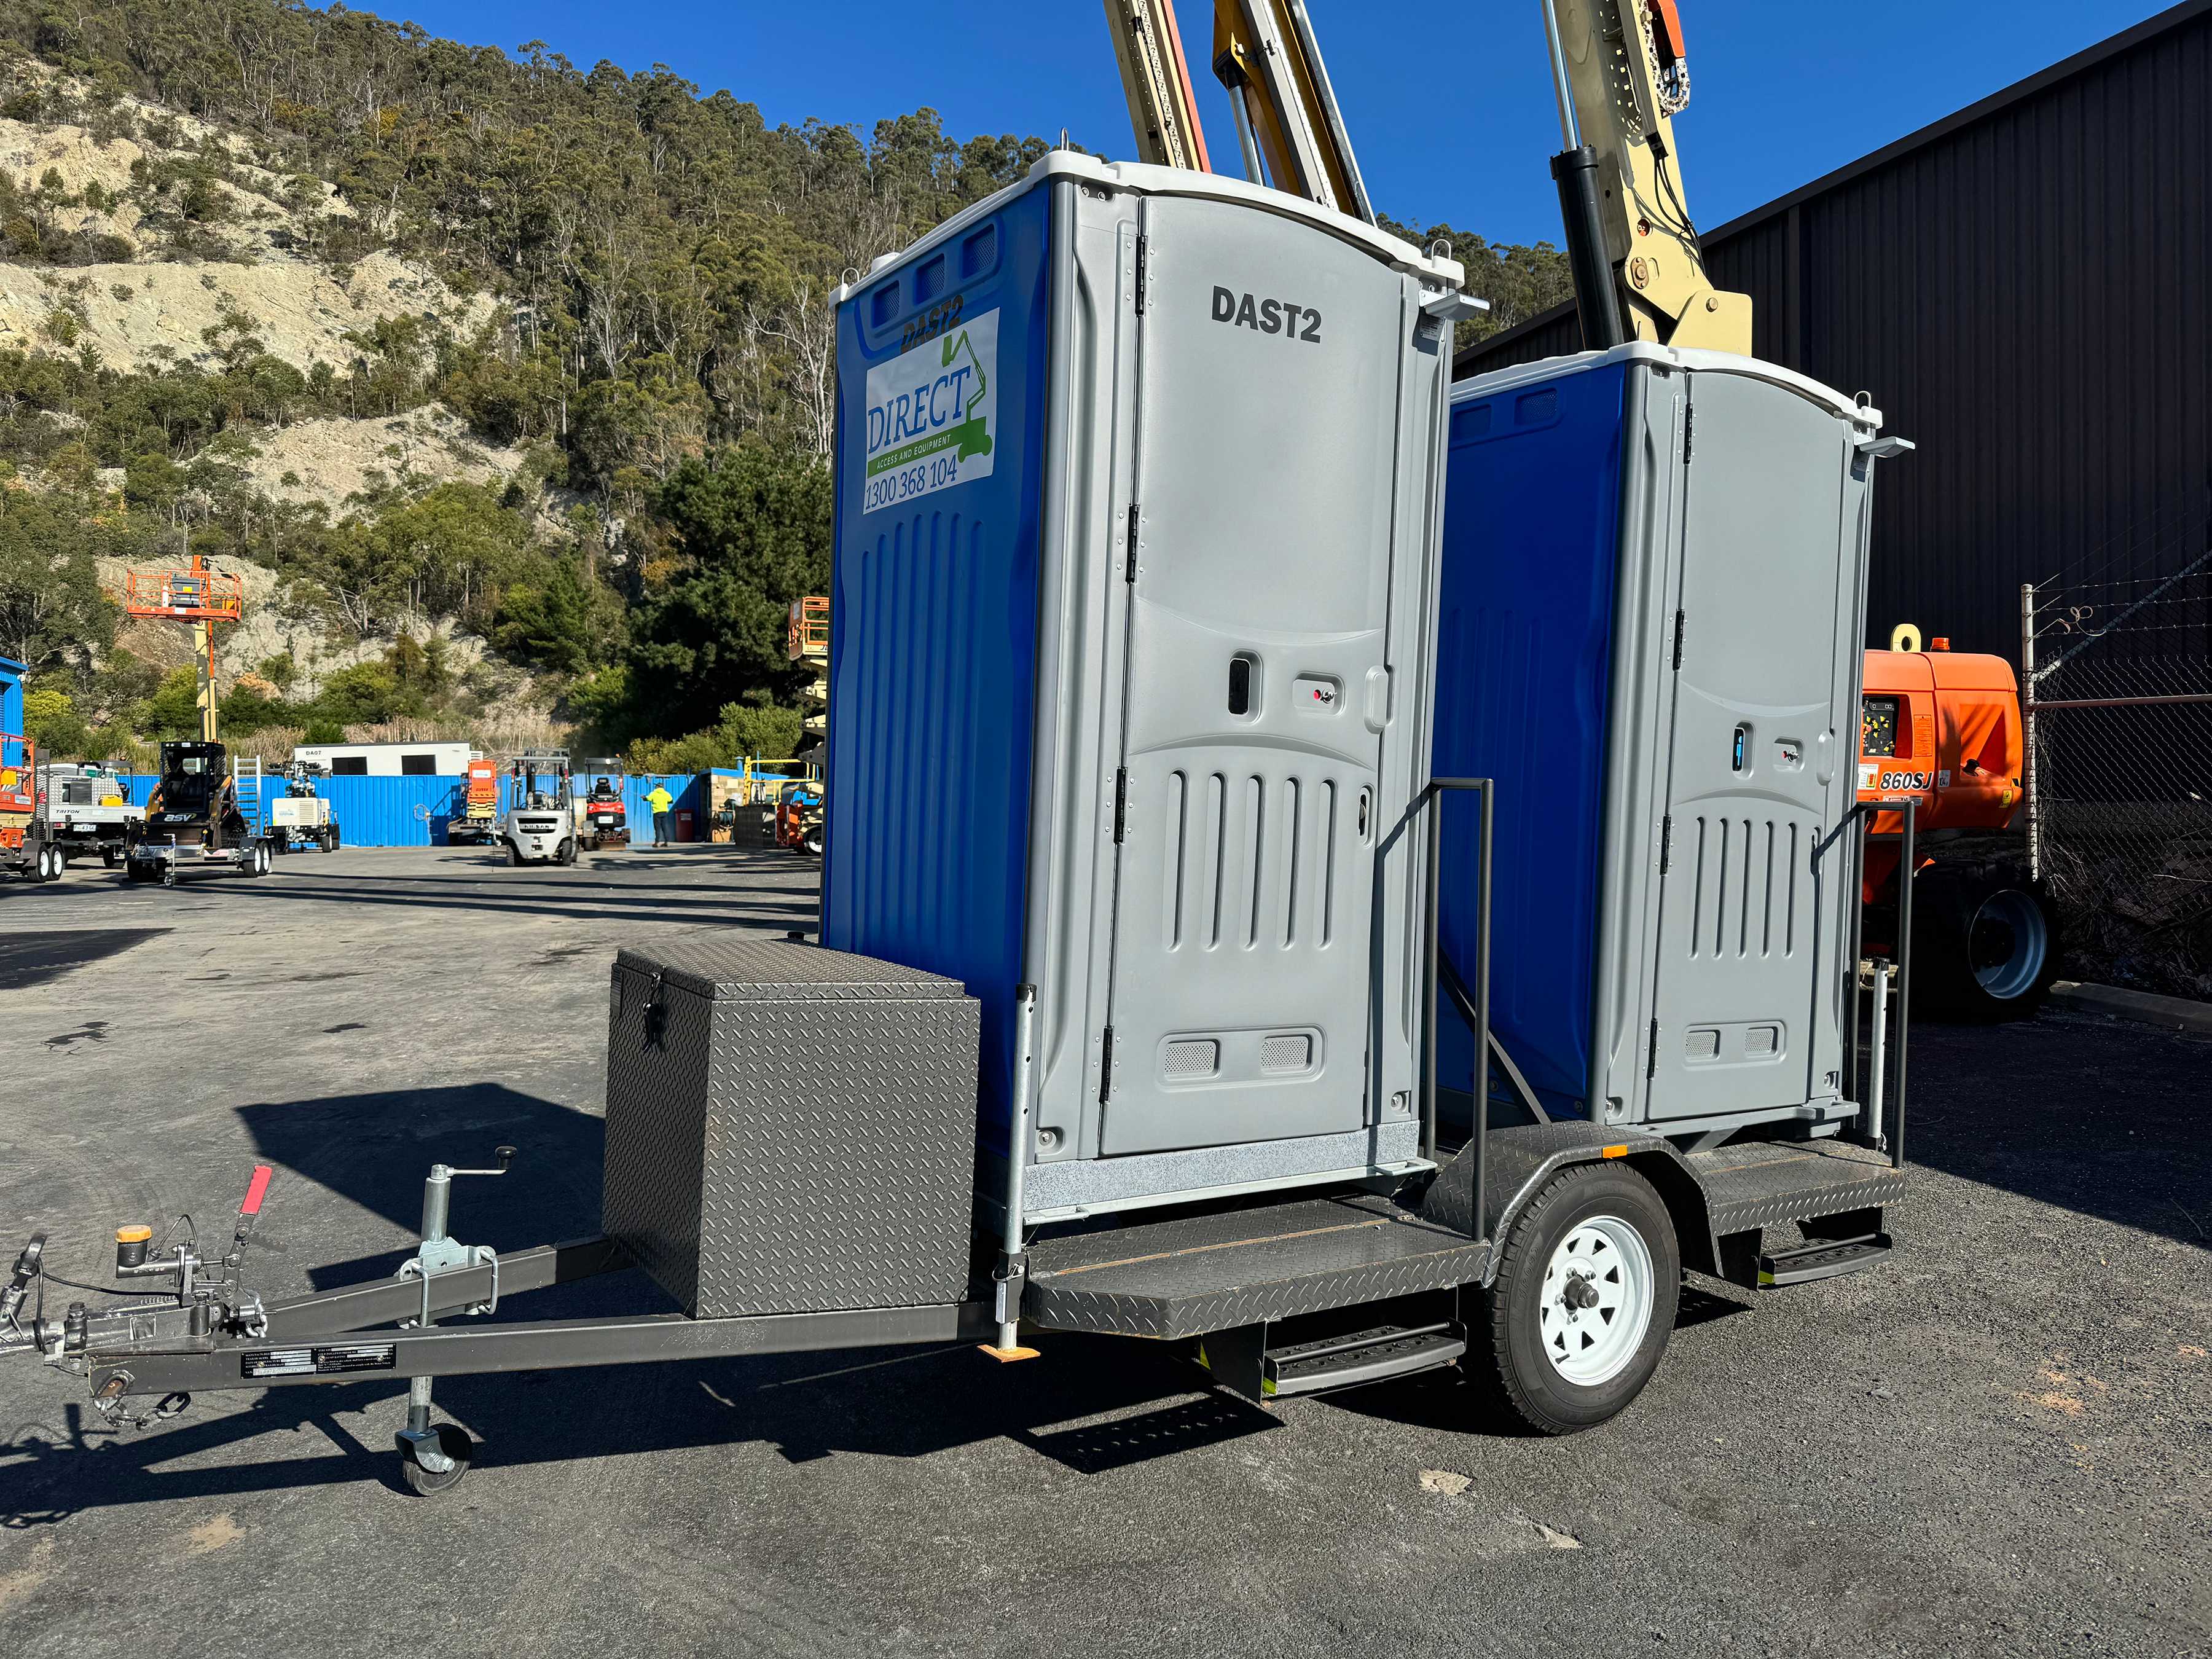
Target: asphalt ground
2000	1443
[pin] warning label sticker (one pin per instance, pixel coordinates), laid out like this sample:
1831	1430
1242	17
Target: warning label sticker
932	414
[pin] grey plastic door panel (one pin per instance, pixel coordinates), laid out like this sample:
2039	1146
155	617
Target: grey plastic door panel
1255	690
1752	754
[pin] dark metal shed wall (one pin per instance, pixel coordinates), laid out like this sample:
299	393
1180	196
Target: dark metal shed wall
2026	290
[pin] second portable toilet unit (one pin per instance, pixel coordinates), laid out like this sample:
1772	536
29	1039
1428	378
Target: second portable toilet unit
1139	494
1653	606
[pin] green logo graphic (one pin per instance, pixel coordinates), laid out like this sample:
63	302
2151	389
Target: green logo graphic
972	434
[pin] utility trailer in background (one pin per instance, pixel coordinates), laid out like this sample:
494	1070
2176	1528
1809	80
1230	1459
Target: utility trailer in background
1140	536
202	817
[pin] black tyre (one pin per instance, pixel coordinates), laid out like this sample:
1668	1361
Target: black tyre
454	1441
333	843
1985	944
109	857
280	845
1584	1299
514	853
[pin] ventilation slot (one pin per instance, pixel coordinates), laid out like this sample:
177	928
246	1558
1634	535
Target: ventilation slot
1193	1057
1287	1053
1704	1044
1761	1042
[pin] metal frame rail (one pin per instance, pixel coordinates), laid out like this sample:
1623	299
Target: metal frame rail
1431	802
1865	812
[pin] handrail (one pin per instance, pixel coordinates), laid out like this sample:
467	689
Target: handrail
1431	801
1908	811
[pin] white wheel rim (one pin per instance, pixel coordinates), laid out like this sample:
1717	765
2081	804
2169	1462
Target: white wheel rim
1597	1297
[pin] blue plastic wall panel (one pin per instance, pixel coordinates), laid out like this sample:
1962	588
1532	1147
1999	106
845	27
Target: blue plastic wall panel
932	648
1525	645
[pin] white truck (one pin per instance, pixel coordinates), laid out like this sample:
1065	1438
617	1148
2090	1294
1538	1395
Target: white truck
89	810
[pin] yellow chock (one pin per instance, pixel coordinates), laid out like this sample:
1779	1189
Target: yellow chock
1007	1356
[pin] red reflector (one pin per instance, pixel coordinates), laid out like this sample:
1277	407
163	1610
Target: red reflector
255	1188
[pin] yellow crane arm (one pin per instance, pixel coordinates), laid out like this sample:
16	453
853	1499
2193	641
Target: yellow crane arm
1156	78
1621	74
1287	116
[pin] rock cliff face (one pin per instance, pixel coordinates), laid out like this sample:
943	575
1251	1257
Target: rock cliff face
152	278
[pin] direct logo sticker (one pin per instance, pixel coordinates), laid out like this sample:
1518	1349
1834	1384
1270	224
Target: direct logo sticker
932	414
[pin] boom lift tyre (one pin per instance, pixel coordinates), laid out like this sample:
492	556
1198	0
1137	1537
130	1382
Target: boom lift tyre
1987	941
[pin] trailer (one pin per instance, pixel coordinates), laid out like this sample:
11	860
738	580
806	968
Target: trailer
196	823
1148	1030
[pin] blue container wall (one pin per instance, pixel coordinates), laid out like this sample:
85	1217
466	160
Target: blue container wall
1531	555
382	812
11	711
934	637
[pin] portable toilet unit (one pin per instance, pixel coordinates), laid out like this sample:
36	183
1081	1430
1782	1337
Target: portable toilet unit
1138	500
1654	592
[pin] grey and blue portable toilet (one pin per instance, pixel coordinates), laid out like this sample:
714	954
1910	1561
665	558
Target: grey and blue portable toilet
1653	600
1139	493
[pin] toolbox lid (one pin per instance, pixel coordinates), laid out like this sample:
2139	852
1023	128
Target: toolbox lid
756	967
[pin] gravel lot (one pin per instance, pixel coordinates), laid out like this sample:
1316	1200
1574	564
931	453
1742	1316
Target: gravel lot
2001	1442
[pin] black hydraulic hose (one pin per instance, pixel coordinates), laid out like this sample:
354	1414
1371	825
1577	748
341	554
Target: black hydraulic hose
1596	297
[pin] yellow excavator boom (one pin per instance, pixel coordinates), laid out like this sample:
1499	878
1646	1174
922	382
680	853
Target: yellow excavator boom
1621	74
1156	78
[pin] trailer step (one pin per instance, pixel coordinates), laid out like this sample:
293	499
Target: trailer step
1822	1259
1367	1357
1192	1275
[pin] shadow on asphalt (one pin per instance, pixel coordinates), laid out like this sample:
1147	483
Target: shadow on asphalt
29	959
2088	1114
373	1150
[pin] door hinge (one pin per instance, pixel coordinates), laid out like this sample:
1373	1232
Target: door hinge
1689	411
1651	1061
1121	803
1106	1067
1140	275
1129	572
1681	624
1666	846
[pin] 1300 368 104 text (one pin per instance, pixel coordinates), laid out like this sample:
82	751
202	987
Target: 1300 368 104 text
890	489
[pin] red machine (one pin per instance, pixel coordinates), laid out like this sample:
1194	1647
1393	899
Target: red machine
25	846
1943	729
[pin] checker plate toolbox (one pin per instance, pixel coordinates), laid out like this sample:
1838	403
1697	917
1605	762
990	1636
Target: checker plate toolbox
789	1129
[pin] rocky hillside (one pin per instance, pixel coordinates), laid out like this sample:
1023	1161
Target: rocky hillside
506	383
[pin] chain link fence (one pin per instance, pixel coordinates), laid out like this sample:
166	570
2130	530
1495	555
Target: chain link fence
2117	695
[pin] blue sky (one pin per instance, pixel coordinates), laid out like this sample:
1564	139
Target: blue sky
1452	117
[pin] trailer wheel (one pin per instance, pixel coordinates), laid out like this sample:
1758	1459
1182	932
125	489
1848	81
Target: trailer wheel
109	858
453	1441
1584	1298
169	875
333	843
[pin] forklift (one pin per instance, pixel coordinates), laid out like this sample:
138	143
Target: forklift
541	813
1147	1029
